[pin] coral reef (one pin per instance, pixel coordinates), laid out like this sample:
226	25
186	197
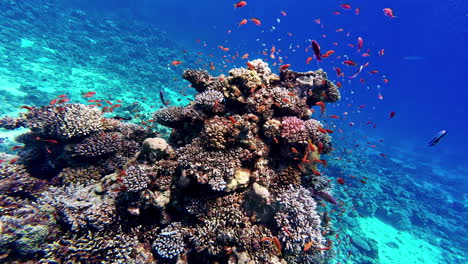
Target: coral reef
237	181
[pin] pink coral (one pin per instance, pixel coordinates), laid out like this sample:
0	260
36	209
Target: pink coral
293	130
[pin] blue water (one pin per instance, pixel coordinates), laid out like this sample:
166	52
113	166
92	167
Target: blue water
425	55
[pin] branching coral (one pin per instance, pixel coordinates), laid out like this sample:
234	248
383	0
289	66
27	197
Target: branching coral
63	121
227	185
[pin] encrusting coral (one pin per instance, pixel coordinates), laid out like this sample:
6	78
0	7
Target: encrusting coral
237	181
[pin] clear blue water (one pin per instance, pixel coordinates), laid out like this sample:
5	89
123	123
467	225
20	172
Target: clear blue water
426	52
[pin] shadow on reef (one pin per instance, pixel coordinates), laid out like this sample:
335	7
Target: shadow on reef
238	180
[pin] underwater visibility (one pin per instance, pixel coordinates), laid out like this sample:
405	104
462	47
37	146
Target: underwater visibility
237	132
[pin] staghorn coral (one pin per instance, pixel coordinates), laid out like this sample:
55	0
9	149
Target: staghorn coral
136	177
169	243
296	213
99	145
170	116
210	101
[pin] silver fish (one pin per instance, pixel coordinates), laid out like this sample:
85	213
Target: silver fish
437	137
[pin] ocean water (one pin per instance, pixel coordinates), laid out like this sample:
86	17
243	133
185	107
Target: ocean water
79	197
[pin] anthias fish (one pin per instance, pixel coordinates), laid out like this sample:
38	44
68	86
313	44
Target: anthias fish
437	138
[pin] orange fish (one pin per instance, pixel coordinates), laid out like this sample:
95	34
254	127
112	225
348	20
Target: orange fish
322	106
334	116
328	53
277	244
240	4
308	245
349	62
374	72
283	13
245	56
243	22
284	67
52	102
309	59
357	11
176	62
256	21
346	6
388	12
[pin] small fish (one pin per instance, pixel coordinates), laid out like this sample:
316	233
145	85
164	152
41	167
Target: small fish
250	65
340	181
16	147
316	48
240	4
283	13
392	115
284	67
26	107
381	52
325	196
50	141
309	59
437	138
357	73
176	62
243	22
256	21
53	101
322	106
161	96
360	44
334	116
277	244
357	11
308	245
388	12
349	62
338	71
345	6
328	54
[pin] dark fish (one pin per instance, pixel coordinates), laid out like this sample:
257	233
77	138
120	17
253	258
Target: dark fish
324	196
316	48
437	137
161	96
